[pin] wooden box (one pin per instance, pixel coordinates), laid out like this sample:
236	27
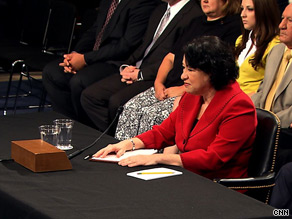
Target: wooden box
39	156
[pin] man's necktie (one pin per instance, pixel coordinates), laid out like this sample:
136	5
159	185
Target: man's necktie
159	31
281	72
110	12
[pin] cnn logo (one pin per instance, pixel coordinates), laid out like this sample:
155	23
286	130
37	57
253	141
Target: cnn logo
281	212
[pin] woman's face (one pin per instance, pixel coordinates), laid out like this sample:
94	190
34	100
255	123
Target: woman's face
196	81
212	8
248	14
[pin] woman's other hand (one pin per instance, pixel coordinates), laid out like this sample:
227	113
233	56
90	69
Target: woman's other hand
139	160
159	91
174	91
119	148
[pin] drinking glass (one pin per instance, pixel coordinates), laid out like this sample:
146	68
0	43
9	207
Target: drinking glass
49	133
65	135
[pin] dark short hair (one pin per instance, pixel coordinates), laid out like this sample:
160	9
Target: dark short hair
214	57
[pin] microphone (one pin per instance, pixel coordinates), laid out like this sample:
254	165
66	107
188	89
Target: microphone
75	153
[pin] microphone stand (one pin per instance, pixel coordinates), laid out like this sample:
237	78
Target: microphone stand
75	153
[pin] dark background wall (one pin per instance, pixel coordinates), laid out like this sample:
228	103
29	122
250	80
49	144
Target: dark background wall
11	16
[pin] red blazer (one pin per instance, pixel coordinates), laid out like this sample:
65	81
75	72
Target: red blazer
220	144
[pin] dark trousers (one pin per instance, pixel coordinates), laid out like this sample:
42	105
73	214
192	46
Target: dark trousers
281	197
284	153
64	89
102	99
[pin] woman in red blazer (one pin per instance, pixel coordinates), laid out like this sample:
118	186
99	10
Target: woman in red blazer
214	125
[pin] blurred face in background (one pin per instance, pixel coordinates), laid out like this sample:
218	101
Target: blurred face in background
248	14
286	27
213	8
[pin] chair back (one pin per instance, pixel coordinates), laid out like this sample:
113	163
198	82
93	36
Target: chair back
35	15
61	27
265	147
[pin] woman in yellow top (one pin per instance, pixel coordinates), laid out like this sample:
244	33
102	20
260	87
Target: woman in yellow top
260	19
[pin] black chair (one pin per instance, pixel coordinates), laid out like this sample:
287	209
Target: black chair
262	162
32	16
57	41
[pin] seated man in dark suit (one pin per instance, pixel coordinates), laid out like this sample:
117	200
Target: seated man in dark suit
102	99
117	32
274	93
